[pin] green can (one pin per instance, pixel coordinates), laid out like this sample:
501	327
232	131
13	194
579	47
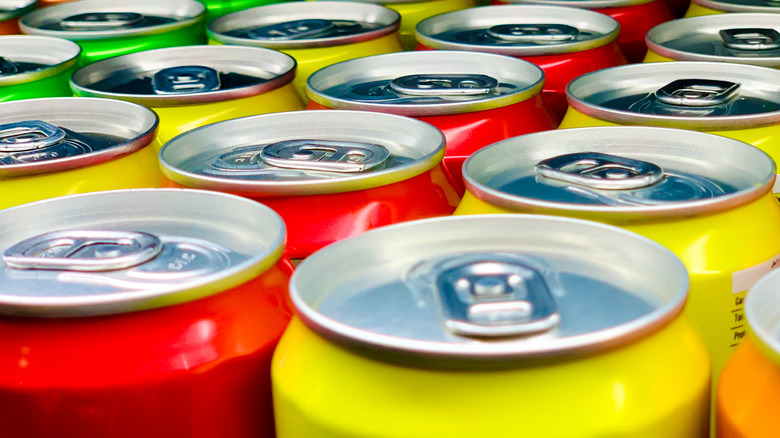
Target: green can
106	28
218	8
36	66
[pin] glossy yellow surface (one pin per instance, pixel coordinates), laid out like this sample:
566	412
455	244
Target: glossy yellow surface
415	12
175	120
656	387
137	170
654	57
695	10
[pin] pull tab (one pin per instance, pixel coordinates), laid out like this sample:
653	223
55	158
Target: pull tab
600	171
293	30
752	39
8	67
444	85
101	20
697	92
534	33
331	156
185	80
79	250
30	135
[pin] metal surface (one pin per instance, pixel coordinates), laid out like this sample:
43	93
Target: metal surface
426	83
739	5
584	4
522	30
302	153
28	58
488	288
128	250
10	9
600	171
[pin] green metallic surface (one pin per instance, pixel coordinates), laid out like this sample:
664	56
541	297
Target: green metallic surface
57	85
218	8
95	50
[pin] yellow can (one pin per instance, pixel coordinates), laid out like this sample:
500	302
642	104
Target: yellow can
315	34
486	326
194	86
700	8
63	146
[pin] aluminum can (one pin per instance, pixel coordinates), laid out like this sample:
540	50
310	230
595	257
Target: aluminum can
33	66
523	313
474	98
749	388
732	100
61	146
564	42
315	34
329	174
106	28
741	38
132	308
219	8
193	86
46	3
10	11
713	7
636	17
684	189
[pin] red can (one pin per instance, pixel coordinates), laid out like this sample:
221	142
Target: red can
475	99
140	313
636	17
10	11
329	174
564	42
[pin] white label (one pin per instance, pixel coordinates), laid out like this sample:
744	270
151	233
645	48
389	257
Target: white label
776	187
746	278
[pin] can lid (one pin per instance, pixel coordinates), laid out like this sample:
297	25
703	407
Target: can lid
740	38
474	291
739	5
691	95
302	153
518	30
619	174
10	9
583	4
127	250
426	83
101	19
185	75
25	58
56	134
762	312
298	25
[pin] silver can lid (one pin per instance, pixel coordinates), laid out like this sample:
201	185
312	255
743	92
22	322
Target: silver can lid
489	289
762	312
298	25
426	83
185	75
740	5
691	95
100	19
523	30
10	9
583	4
619	174
56	134
127	250
26	58
741	38
302	153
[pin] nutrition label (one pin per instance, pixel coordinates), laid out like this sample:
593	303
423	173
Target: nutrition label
741	282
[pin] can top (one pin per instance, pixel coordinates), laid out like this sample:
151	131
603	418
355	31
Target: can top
299	25
619	173
101	19
485	290
127	250
690	95
518	30
26	58
185	75
583	4
10	9
762	311
426	83
740	38
739	5
57	134
302	153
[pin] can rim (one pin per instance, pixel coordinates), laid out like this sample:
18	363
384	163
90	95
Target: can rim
583	4
725	6
69	107
387	63
761	305
24	7
267	59
191	12
388	18
66	51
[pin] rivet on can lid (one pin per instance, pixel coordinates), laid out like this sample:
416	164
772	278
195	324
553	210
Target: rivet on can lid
101	20
536	33
697	92
334	156
753	39
185	80
600	171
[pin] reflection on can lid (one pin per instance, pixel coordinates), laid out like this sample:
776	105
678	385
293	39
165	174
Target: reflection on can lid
302	153
584	4
770	6
691	95
71	256
742	38
623	174
301	25
524	30
183	75
426	83
29	58
10	9
481	291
